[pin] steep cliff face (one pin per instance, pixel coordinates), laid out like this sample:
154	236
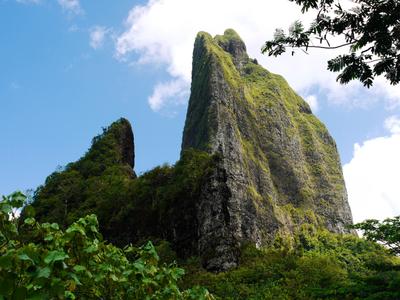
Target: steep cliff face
279	166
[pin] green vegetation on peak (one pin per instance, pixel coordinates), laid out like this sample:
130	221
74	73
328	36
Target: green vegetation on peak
227	47
114	146
275	153
204	35
228	36
93	184
232	34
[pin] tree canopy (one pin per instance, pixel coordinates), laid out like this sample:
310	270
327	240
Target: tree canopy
386	232
42	261
370	30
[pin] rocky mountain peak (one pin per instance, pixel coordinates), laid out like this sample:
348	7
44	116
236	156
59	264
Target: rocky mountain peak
231	42
279	166
116	142
123	134
256	164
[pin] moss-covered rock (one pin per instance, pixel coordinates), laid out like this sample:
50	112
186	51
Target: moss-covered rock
256	164
279	166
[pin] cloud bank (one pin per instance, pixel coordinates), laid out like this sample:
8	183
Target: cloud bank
313	102
162	33
372	176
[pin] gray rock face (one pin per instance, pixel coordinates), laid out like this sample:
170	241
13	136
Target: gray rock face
125	142
279	166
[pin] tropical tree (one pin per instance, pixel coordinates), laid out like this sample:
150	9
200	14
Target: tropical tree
370	37
386	232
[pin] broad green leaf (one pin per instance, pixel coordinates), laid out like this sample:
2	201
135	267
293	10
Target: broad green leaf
79	268
24	256
69	295
54	226
113	277
48	237
55	255
44	272
75	278
91	249
6	208
29	221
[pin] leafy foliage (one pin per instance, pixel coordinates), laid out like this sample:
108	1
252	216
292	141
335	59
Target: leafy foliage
94	184
130	209
371	31
386	232
48	263
314	264
162	201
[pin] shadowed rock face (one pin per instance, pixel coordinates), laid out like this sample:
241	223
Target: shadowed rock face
125	143
279	168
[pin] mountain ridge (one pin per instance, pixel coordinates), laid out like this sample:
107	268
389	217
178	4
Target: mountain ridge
255	164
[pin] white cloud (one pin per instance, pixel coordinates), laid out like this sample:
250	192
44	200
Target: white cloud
171	92
393	124
372	176
97	36
162	32
313	102
71	6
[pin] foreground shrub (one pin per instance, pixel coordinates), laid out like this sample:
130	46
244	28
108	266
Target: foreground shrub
310	264
41	261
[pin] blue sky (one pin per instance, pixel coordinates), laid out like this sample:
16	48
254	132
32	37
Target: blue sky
70	67
57	93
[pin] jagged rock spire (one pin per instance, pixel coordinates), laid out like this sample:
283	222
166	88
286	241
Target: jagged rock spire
279	166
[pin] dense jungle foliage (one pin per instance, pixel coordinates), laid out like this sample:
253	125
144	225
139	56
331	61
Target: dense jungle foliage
42	261
313	264
45	262
127	206
56	250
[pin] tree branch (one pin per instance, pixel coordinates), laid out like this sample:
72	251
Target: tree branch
332	47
